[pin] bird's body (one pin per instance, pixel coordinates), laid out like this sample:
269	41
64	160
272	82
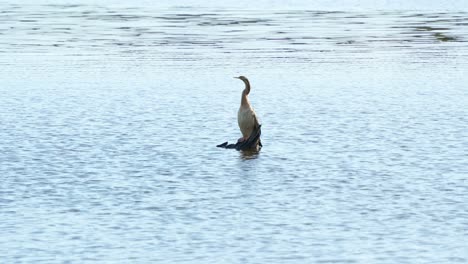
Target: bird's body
247	120
246	117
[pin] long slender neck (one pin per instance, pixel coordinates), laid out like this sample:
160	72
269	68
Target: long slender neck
245	100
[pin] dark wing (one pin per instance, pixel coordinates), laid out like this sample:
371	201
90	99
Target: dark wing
256	123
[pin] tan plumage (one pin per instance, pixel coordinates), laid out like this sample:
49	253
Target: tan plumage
246	116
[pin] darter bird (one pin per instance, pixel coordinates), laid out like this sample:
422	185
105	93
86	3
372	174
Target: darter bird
246	116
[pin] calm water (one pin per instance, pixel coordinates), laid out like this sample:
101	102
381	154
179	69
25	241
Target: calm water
110	115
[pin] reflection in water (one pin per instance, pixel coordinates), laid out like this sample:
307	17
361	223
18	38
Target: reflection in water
249	154
440	36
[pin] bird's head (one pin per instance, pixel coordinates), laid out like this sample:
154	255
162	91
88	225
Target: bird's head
243	78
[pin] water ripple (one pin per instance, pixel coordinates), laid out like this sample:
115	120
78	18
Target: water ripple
295	34
110	117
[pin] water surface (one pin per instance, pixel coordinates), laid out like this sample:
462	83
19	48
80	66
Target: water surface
110	115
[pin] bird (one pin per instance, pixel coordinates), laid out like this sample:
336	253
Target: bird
246	116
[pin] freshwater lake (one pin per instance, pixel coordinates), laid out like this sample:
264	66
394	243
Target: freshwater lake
110	114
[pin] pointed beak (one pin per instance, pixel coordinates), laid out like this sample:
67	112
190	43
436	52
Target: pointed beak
237	77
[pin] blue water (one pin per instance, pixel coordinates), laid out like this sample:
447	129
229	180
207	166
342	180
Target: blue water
110	114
